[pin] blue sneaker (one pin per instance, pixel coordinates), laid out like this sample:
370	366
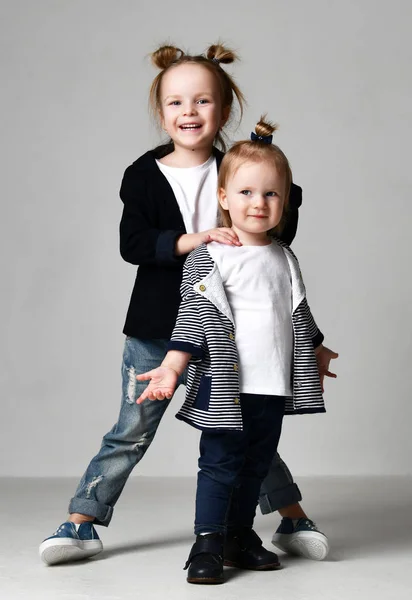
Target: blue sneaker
67	544
301	537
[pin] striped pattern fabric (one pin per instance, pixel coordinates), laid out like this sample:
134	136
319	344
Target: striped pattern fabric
205	328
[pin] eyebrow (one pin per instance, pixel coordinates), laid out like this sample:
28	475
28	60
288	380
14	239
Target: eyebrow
274	188
177	96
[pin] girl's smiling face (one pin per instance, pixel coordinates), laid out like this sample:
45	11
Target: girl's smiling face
255	198
191	110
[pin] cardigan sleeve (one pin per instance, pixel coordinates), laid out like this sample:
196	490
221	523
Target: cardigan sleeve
292	216
140	242
314	331
188	334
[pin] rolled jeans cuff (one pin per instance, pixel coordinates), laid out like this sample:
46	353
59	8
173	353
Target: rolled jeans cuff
198	529
279	499
102	513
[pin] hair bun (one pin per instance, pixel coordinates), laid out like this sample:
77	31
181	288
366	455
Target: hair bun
165	56
221	54
264	127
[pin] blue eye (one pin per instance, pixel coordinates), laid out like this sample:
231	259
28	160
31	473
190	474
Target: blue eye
175	103
246	192
271	194
203	101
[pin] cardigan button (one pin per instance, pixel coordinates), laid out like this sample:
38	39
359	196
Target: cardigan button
231	336
202	288
236	400
235	367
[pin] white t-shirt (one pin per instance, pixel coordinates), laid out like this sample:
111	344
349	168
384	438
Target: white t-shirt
195	189
258	286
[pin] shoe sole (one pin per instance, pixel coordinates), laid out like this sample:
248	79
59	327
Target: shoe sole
205	580
269	567
64	550
312	545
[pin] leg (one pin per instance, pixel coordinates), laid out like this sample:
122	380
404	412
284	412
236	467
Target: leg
297	534
279	491
264	438
243	546
122	448
221	458
126	443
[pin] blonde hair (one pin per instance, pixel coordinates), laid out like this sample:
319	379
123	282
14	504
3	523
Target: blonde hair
255	151
168	57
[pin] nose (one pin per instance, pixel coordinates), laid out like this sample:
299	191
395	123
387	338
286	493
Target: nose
189	109
259	201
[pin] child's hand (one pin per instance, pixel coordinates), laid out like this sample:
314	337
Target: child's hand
323	357
189	241
223	235
162	385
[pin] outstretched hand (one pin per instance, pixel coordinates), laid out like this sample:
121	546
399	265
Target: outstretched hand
323	357
163	381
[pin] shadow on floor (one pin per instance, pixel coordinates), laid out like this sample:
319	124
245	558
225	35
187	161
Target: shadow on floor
353	532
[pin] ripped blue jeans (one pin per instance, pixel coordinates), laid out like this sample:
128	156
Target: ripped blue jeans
126	443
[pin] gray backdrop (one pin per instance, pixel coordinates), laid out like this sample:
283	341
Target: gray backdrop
75	77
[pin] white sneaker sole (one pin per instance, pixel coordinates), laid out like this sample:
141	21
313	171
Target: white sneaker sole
62	550
313	545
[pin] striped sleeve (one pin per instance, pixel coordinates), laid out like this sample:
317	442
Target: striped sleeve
314	331
188	334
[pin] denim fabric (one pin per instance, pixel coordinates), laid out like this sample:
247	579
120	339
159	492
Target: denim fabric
124	446
278	489
233	465
126	443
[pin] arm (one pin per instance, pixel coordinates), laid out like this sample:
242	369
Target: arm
189	241
323	354
186	343
141	243
288	235
163	380
315	333
188	334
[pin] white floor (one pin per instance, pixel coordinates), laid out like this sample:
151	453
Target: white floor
368	521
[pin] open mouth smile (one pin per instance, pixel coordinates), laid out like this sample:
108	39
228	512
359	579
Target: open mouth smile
190	127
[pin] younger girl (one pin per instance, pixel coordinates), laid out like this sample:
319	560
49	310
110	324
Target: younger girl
246	333
170	208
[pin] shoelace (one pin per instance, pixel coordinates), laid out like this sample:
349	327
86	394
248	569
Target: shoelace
311	524
61	528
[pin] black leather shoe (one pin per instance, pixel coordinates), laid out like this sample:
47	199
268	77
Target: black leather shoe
243	549
205	562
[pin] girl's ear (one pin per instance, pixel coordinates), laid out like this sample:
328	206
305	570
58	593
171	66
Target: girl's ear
221	194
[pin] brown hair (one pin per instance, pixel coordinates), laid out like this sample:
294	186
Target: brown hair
255	151
167	57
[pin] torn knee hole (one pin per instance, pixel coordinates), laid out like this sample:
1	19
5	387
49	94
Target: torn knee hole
94	482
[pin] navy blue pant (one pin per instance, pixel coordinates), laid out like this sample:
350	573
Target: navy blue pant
233	465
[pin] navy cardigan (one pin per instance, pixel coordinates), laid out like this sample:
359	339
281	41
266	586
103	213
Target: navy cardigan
150	225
